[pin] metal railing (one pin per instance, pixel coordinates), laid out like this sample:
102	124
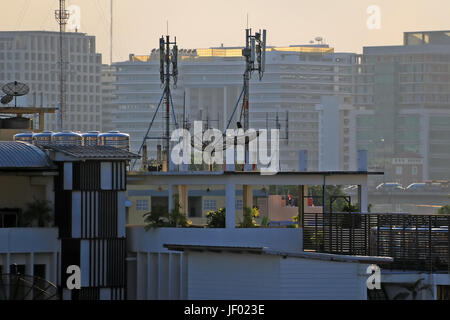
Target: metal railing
416	242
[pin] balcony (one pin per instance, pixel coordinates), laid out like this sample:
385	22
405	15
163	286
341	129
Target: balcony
416	242
23	240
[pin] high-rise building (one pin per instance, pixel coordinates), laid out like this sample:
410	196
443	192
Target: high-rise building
402	95
210	82
108	87
32	57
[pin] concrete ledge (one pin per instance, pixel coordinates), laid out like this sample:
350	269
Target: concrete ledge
29	240
153	240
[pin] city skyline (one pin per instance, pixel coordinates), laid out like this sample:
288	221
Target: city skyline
214	29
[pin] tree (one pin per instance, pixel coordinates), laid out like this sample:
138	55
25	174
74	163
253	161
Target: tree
39	212
444	209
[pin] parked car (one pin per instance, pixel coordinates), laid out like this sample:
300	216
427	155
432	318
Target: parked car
390	187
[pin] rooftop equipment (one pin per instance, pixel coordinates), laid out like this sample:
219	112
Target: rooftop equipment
115	139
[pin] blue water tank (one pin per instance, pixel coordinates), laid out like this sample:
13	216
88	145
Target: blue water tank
25	137
91	138
42	138
115	139
67	138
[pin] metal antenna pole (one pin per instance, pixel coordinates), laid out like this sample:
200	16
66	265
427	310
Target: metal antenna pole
245	102
167	116
62	16
111	35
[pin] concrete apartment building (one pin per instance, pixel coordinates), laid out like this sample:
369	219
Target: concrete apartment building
402	95
210	82
32	57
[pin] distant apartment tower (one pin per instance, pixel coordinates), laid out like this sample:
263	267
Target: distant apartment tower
32	57
402	95
210	82
108	88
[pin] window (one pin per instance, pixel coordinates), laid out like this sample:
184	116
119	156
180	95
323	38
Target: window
239	204
142	205
414	171
398	170
209	205
8	218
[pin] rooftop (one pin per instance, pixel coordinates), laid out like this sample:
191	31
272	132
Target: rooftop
268	251
93	152
21	155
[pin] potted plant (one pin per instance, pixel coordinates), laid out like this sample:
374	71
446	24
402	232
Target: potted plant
37	213
216	219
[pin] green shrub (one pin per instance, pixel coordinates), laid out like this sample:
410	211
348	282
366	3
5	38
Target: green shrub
249	217
159	217
216	219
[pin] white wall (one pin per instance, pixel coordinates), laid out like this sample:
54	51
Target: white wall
31	246
233	276
283	239
317	280
29	240
157	273
251	276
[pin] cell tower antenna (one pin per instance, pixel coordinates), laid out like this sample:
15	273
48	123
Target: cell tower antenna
62	16
168	70
255	59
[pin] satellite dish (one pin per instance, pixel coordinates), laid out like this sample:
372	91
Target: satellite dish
319	39
6	99
15	286
16	89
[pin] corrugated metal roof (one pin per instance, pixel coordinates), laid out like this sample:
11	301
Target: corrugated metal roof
17	154
93	152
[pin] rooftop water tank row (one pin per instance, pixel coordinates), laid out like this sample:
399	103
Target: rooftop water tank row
92	138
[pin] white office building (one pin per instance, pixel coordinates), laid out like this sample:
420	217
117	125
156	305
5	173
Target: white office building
32	57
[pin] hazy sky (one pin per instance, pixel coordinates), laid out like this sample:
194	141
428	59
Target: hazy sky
204	23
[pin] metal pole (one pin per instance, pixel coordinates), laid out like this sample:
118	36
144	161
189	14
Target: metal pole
167	133
111	36
61	17
248	69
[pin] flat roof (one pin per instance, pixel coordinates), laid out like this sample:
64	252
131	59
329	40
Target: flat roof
268	251
225	173
250	178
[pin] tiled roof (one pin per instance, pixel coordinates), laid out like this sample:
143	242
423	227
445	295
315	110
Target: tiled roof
93	152
16	154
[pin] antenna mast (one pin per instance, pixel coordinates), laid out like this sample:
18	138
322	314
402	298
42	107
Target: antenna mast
168	57
255	60
62	16
111	36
